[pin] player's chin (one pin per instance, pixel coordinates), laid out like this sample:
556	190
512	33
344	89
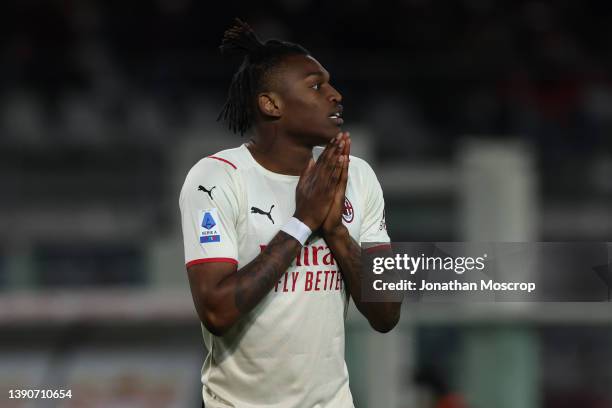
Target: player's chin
333	129
327	136
321	135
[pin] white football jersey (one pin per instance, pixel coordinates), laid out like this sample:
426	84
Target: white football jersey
289	350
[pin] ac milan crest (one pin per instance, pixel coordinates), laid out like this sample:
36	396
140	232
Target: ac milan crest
347	211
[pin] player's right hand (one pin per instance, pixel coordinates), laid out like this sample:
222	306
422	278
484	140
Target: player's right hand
315	190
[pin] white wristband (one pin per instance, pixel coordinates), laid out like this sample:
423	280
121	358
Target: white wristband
297	229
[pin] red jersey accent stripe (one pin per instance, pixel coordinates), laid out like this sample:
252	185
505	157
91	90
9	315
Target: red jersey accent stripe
223	160
208	260
378	248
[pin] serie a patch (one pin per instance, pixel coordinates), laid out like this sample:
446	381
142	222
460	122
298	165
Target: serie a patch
209	226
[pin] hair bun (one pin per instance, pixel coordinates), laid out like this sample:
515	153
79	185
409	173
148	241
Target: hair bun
240	39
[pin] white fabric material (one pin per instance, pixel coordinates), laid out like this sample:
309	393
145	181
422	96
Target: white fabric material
297	229
289	351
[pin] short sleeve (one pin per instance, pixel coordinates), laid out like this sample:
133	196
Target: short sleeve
209	212
374	226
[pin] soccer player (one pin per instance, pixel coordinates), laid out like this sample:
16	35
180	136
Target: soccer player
272	236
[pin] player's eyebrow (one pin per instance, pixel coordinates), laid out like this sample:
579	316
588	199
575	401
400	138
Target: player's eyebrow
317	73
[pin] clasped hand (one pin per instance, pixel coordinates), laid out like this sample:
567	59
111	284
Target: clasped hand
321	190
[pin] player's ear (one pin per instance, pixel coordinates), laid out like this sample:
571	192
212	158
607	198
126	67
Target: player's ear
269	104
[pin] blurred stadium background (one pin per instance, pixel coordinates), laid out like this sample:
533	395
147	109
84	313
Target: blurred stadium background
485	120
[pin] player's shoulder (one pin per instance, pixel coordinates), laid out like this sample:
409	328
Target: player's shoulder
225	163
219	169
359	163
360	169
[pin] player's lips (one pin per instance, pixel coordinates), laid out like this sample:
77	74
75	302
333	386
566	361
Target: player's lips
336	116
337	120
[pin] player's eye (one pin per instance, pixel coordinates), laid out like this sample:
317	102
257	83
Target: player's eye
316	87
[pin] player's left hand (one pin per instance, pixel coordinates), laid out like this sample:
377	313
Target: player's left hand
333	221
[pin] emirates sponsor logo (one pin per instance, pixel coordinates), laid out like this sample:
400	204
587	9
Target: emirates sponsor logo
310	281
320	274
311	255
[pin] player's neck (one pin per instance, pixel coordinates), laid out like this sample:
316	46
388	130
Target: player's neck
279	155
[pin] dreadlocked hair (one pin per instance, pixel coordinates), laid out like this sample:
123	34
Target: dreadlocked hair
239	110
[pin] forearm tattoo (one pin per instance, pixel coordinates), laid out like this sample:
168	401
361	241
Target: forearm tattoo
260	275
349	259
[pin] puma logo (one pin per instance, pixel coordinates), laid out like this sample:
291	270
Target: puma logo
209	192
255	210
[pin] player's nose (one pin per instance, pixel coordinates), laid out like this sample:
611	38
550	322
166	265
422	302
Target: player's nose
335	96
